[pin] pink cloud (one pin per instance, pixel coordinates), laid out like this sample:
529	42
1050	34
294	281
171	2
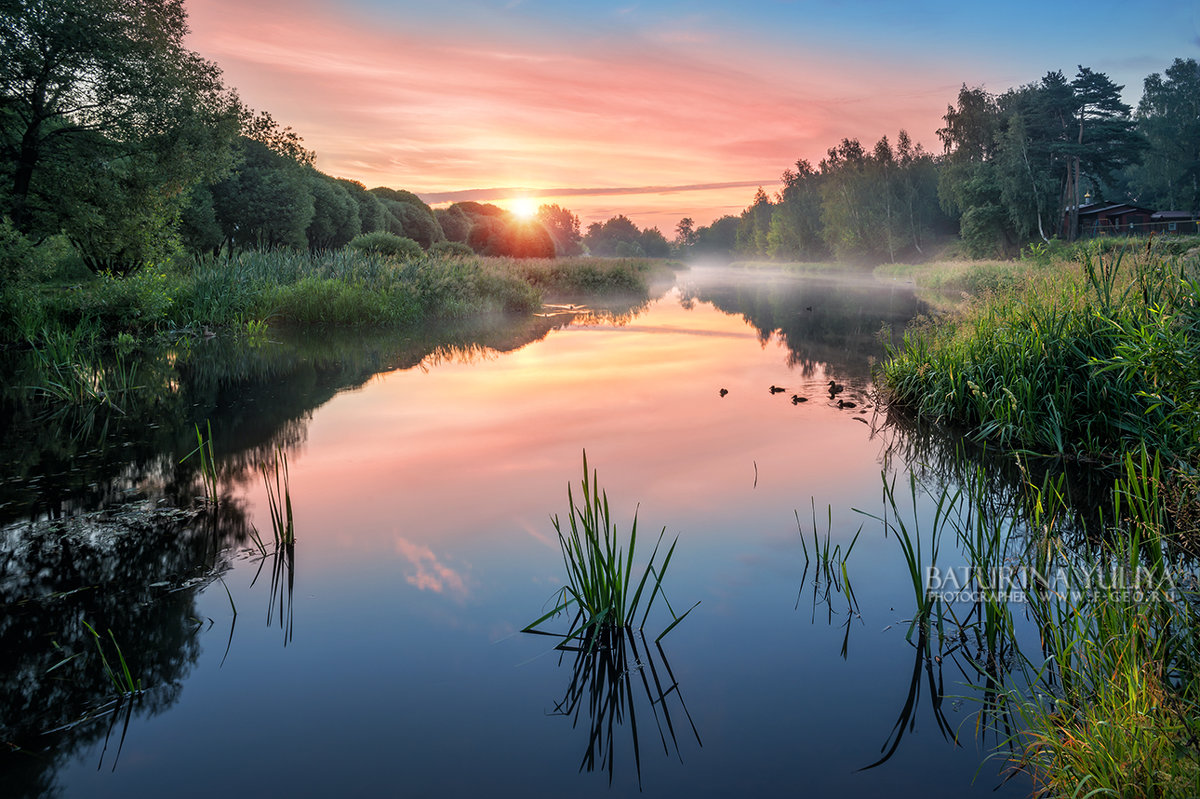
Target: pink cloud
431	574
432	110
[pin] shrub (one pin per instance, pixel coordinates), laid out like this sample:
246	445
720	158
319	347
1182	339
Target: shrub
388	244
450	249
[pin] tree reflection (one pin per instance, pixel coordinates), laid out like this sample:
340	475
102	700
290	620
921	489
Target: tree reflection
136	571
827	324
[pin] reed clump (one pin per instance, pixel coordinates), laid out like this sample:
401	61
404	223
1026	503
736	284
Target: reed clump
600	569
1087	361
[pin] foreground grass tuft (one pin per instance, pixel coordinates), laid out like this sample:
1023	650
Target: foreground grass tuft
600	572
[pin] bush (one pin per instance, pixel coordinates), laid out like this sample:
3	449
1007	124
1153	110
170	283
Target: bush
388	244
450	249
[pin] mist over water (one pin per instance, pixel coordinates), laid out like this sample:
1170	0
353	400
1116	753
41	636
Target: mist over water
423	474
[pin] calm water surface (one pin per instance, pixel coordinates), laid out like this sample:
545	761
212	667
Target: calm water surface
385	659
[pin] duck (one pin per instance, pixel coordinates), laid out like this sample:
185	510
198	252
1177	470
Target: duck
835	387
844	404
797	399
776	389
723	392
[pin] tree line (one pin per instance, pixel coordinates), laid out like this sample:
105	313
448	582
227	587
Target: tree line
1015	167
115	135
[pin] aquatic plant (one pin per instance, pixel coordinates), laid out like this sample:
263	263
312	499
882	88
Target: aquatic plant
601	572
121	677
602	693
70	370
831	573
208	464
279	497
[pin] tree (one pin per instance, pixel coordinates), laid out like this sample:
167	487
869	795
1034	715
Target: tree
410	216
455	223
563	227
1169	117
1107	137
107	82
372	216
335	218
267	202
755	225
603	238
795	231
685	233
654	244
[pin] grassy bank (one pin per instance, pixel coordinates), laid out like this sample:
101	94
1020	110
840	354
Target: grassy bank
1085	360
346	288
1094	359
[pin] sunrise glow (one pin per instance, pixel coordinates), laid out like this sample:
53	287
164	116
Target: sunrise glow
643	110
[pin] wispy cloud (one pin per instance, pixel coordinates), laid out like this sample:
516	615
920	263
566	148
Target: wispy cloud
483	195
431	574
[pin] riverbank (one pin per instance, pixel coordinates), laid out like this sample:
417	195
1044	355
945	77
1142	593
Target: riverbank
1093	359
346	288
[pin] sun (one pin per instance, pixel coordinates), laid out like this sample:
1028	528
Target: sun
524	208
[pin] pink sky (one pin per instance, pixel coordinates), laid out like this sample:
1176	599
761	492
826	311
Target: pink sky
398	98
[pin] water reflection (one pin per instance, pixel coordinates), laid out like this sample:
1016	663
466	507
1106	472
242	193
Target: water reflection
133	571
421	463
613	672
830	325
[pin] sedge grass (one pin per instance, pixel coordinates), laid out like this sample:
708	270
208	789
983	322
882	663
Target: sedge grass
600	570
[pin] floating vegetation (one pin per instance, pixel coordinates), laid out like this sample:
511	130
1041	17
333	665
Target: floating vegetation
600	571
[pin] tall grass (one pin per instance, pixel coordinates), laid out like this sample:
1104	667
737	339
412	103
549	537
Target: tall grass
1103	699
346	287
1086	363
600	571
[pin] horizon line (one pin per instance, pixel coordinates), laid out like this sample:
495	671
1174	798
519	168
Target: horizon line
505	193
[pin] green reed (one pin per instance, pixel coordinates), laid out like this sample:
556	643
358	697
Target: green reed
120	676
208	464
600	571
1105	699
279	497
1086	362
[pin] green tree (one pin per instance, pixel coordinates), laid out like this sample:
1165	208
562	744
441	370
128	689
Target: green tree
335	218
602	238
1169	117
795	232
1107	138
455	223
685	234
755	225
267	202
372	216
563	227
109	83
654	244
410	216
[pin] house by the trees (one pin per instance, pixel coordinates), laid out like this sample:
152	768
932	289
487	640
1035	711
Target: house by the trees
1127	219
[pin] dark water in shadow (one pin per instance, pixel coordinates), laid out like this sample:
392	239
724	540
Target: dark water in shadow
381	654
